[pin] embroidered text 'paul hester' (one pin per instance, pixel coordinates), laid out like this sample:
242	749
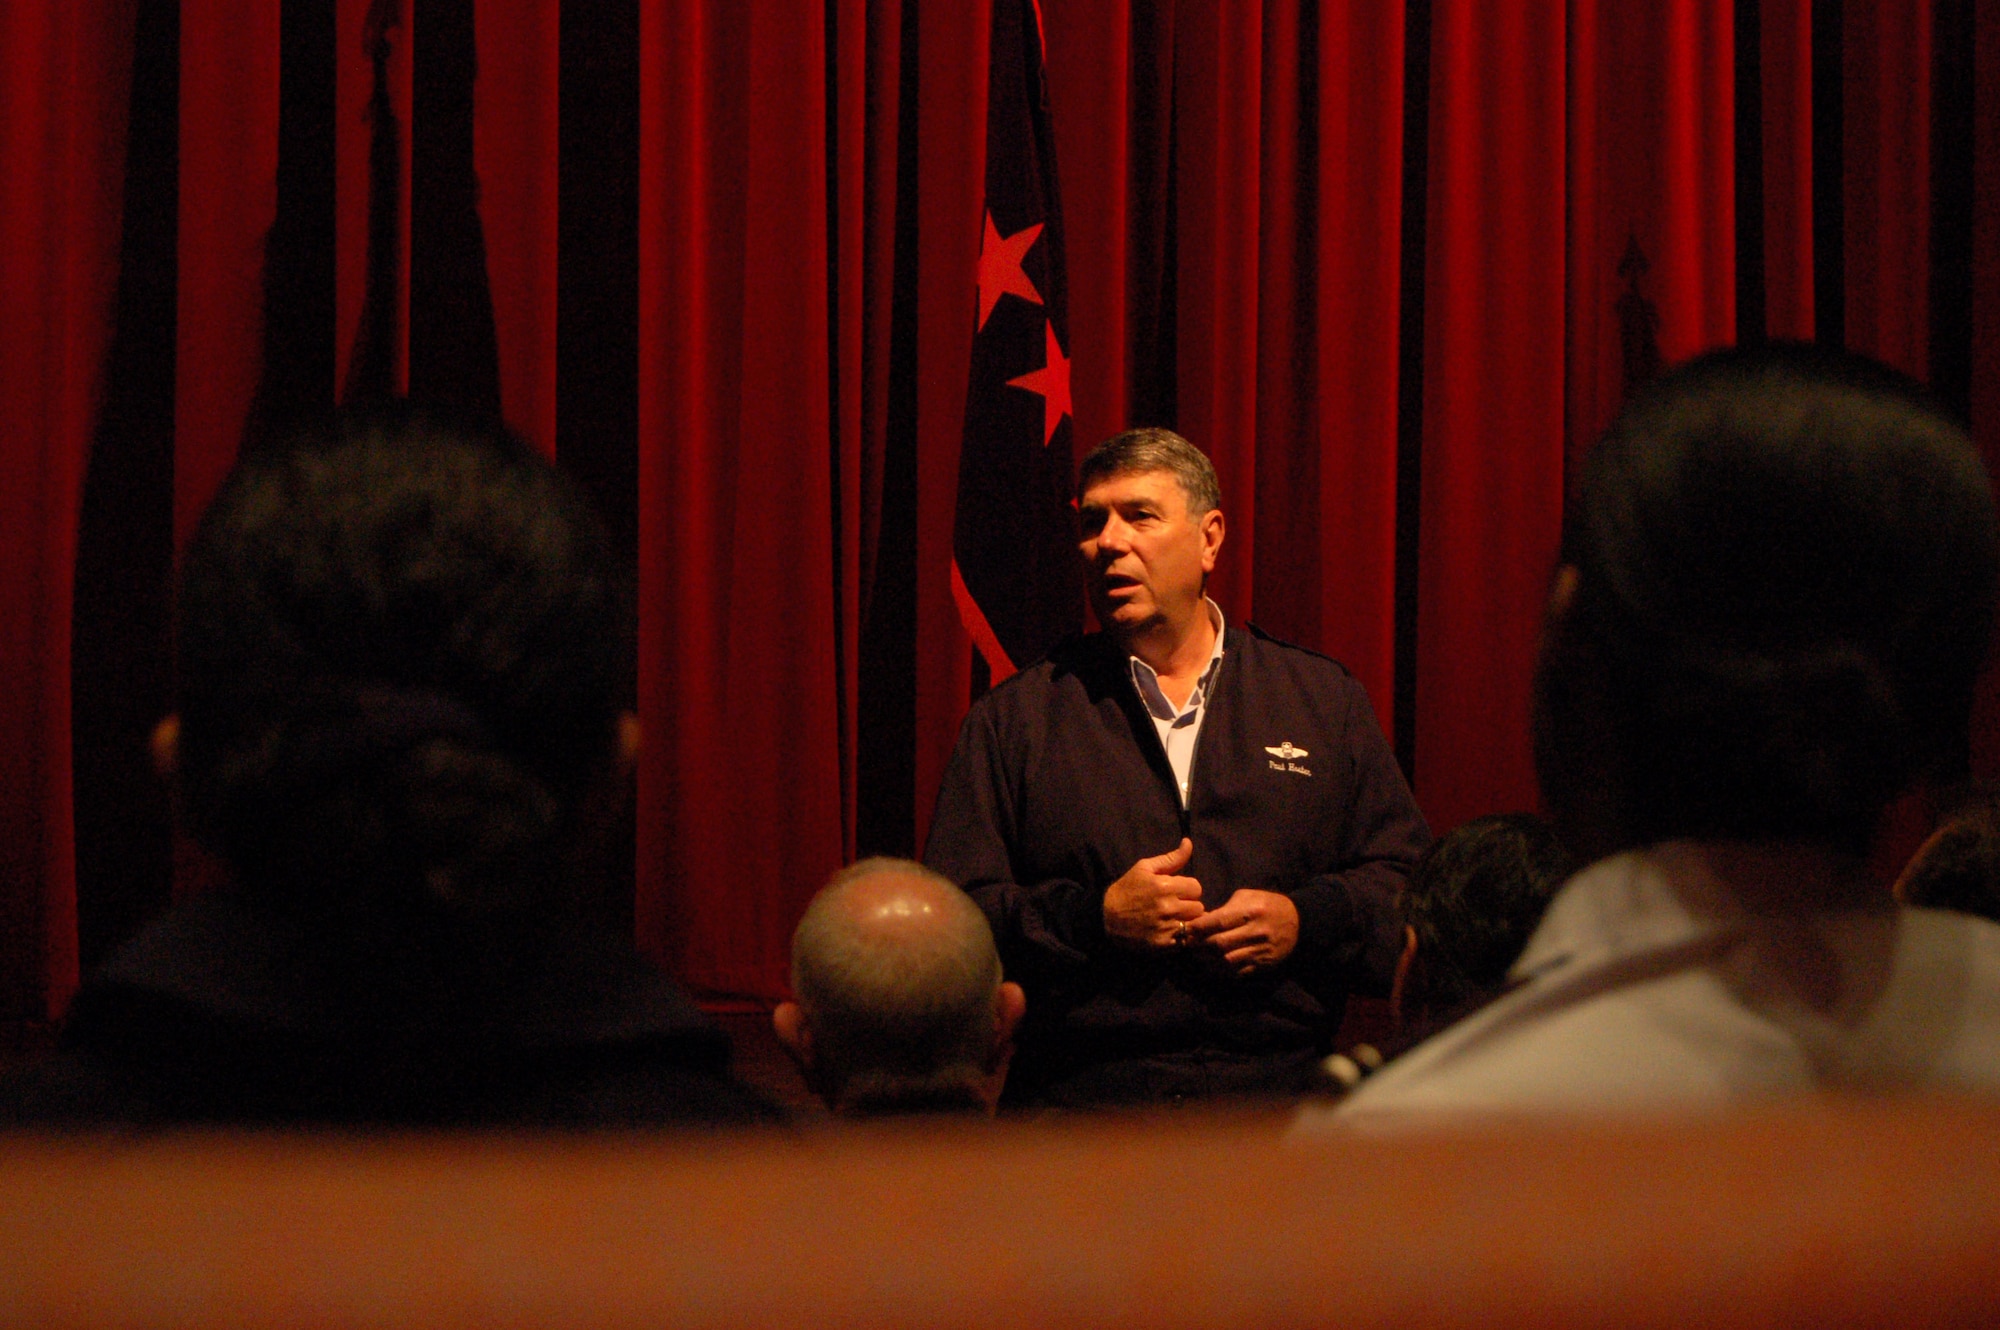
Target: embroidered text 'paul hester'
1287	753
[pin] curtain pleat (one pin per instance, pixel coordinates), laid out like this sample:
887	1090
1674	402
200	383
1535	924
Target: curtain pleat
1886	50
737	567
1785	68
1090	54
950	165
1493	396
354	136
1326	559
228	203
1652	227
64	83
515	138
1217	168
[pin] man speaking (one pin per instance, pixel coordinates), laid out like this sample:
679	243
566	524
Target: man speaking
1187	836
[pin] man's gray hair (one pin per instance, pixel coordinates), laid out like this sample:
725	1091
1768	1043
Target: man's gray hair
896	973
1154	449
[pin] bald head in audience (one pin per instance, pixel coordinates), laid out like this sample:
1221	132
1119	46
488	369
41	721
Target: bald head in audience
901	1006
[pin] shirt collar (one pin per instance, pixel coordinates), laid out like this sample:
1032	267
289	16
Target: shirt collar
1147	680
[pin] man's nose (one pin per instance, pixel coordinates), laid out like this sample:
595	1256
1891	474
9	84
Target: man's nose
1114	538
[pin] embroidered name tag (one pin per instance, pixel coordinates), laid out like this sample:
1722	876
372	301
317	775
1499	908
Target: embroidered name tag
1287	755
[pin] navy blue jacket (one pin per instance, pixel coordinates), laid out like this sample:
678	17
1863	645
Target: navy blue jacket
1060	784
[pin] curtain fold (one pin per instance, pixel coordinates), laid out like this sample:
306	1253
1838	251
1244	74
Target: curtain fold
1651	179
1326	514
1886	184
950	168
1493	396
1217	173
737	568
64	89
515	160
228	206
1785	75
358	26
1091	92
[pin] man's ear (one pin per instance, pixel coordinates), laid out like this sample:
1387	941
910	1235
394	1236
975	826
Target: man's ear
1009	1005
629	739
1009	1002
1212	530
788	1023
1401	982
166	745
1562	591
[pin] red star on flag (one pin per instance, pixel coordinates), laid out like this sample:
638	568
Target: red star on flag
1000	267
1052	382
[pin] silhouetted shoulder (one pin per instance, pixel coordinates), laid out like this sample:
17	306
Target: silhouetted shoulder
229	1011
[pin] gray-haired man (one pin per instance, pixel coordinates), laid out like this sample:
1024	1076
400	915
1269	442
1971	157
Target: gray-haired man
1186	835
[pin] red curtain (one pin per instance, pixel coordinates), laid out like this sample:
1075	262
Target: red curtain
1492	460
1283	175
228	200
1327	576
1786	91
514	129
739	487
1217	94
64	72
1652	222
950	119
1392	265
1886	184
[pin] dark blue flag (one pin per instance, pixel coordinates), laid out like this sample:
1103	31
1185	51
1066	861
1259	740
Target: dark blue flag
1014	569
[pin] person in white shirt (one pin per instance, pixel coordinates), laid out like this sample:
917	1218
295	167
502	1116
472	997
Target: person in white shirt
1775	594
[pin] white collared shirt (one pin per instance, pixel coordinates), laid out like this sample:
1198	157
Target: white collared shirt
1180	728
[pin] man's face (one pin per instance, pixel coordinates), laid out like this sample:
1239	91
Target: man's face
1145	556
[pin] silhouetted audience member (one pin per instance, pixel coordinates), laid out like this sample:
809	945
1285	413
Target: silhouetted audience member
901	1006
1776	590
1958	867
401	652
1471	904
